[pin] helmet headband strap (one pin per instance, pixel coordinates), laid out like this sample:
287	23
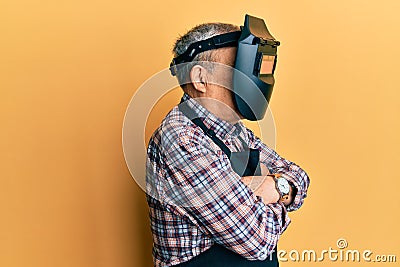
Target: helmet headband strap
229	39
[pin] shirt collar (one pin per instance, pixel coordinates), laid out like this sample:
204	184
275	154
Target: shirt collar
222	128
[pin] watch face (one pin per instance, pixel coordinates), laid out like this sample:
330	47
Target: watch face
283	186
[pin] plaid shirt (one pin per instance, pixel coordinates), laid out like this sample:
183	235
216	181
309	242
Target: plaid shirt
195	198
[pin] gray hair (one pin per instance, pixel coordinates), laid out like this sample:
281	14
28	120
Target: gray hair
196	34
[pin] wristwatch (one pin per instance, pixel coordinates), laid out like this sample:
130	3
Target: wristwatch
282	185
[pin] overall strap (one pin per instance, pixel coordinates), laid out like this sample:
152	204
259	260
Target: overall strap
244	163
188	112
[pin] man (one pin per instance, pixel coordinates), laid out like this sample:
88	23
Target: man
209	206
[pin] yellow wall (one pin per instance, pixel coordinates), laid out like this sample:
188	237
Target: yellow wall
69	68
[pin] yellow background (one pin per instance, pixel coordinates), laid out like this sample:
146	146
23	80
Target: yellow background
69	68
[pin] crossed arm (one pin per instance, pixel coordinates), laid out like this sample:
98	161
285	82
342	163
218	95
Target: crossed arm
272	163
246	221
265	187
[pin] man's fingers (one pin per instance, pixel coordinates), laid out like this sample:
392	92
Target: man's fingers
268	190
247	180
264	169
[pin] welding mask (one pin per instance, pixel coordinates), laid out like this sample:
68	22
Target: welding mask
256	57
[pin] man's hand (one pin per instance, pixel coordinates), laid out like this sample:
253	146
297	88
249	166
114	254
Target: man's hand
254	182
263	186
267	189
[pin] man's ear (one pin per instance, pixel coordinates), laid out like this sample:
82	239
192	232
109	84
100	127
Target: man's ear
198	77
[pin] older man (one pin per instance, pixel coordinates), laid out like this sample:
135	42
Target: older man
210	204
